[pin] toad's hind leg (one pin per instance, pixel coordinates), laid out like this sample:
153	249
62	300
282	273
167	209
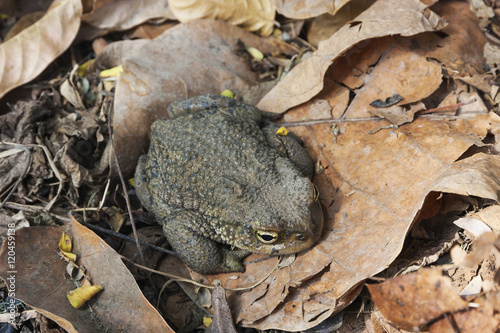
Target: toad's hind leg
198	252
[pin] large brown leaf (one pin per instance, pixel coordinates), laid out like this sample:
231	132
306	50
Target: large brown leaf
26	55
40	282
373	188
190	59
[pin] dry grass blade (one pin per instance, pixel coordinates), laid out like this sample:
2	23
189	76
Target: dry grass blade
13	188
26	55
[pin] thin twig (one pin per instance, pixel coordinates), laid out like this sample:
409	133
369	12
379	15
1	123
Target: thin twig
34	209
125	194
467	115
452	322
124	237
181	279
445	108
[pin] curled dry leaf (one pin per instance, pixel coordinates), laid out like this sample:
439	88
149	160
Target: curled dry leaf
413	300
383	18
26	55
322	27
23	23
121	307
477	175
253	15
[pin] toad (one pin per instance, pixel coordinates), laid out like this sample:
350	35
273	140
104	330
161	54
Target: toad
224	184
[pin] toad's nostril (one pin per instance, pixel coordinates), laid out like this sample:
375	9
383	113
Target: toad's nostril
300	237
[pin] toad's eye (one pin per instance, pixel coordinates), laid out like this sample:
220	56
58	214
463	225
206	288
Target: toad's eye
315	193
266	237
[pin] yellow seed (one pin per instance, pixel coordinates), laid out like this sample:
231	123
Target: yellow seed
282	131
81	295
112	72
227	93
65	243
207	321
84	68
257	54
70	256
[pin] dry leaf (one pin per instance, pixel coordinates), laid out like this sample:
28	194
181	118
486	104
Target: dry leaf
304	9
460	49
150	31
473	226
121	307
492	55
253	15
477	175
66	159
383	18
477	320
324	26
26	55
23	23
119	15
115	54
72	94
222	321
399	72
413	300
399	115
473	288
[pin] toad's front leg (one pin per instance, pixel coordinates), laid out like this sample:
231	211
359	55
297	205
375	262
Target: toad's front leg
200	253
